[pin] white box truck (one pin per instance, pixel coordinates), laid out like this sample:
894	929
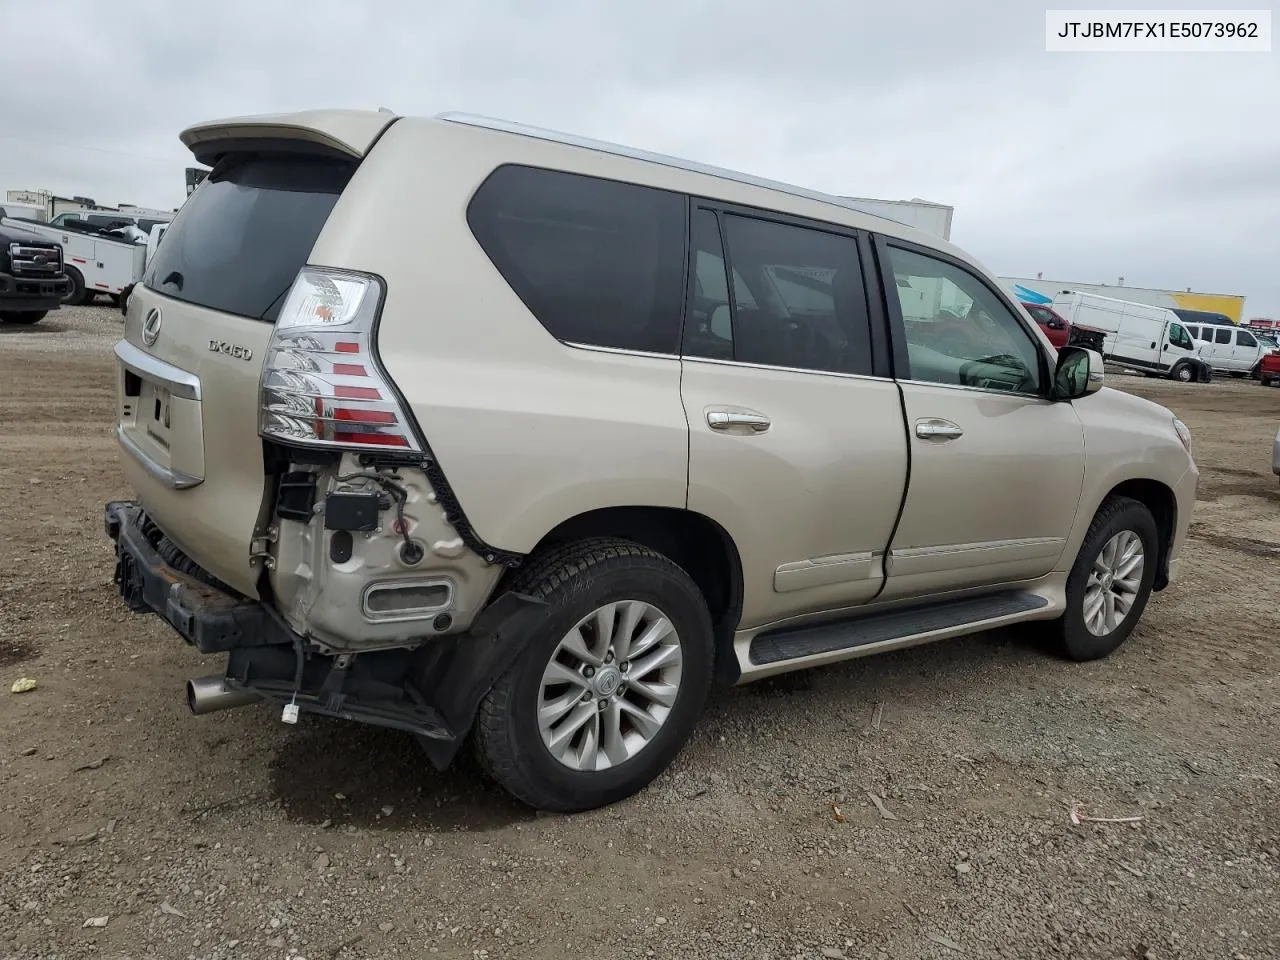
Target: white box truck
1148	339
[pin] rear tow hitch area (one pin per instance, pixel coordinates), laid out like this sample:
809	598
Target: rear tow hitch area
432	690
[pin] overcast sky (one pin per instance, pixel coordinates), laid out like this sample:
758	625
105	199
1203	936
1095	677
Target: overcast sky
1161	168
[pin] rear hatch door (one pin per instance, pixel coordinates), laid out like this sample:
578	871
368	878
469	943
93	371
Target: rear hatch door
198	326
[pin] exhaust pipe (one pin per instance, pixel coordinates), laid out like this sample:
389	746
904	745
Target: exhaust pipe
211	694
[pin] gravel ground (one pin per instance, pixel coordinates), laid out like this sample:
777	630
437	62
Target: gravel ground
236	836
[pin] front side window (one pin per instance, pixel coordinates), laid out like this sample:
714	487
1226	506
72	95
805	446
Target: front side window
1222	335
1179	337
1245	339
597	262
958	331
795	296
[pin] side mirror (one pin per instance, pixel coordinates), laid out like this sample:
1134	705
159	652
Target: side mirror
1079	373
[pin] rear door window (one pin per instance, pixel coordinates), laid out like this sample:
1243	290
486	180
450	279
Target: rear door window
240	239
597	262
1222	335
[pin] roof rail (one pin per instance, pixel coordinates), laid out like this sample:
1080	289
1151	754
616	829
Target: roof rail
616	149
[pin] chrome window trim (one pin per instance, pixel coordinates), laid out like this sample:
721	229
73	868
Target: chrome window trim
728	363
1022	394
661	159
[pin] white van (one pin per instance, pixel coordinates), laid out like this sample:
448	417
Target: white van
1229	349
1149	339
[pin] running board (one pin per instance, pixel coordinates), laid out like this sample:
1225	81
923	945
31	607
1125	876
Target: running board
795	643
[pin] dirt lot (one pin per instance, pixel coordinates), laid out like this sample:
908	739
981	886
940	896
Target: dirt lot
237	836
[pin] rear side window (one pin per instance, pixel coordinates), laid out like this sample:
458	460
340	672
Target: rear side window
598	262
240	239
1222	335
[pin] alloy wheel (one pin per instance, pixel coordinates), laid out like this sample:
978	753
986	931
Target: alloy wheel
1114	583
610	685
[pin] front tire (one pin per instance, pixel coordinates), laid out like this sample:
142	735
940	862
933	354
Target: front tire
1110	582
77	295
1182	372
609	688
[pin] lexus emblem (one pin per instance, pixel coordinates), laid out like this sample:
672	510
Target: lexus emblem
151	327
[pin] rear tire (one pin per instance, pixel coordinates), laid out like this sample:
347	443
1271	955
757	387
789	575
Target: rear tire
26	317
549	697
1122	531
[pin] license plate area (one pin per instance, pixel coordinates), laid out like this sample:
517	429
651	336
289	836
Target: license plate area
162	429
157	409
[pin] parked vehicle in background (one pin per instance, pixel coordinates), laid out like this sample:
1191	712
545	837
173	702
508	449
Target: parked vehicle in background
110	218
1051	322
1229	349
21	211
32	281
1269	368
411	518
97	259
1275	454
1148	339
1203	317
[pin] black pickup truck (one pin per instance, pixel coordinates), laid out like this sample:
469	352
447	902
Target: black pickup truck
32	280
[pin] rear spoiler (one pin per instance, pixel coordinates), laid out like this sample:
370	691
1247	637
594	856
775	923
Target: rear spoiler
349	134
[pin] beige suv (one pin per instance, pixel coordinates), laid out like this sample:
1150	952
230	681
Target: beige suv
499	436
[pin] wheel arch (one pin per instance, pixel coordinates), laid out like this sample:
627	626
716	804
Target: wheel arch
699	545
1163	504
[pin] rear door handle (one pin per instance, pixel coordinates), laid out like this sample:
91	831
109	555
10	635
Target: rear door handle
724	419
938	430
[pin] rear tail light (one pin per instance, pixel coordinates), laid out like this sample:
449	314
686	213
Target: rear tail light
322	384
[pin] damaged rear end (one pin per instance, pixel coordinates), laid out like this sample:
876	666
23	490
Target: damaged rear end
290	513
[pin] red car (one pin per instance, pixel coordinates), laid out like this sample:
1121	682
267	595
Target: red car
1269	368
1056	329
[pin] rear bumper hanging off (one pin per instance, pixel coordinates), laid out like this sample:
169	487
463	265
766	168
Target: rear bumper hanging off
432	691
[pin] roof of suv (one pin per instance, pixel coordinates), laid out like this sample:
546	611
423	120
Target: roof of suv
355	131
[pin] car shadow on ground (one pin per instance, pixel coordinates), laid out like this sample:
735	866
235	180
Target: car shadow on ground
45	326
354	774
330	772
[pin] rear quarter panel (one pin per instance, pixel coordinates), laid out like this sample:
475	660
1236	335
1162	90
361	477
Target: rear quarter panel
529	431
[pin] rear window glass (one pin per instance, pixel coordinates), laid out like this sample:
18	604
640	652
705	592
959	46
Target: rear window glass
596	261
240	239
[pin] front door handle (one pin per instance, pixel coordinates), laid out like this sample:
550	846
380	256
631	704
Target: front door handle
938	430
724	419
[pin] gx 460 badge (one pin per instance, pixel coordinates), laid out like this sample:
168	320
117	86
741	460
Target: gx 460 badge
231	349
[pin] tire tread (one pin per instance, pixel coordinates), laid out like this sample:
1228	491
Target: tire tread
1111	508
554	572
